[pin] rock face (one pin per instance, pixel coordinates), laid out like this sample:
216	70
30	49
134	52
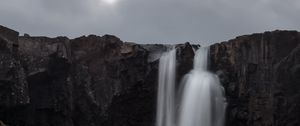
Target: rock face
260	73
102	81
87	81
13	85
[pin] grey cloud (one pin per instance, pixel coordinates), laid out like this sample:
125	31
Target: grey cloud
151	21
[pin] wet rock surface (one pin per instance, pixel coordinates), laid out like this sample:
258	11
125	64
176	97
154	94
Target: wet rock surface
103	81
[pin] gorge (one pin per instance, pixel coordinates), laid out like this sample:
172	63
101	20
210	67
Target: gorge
103	81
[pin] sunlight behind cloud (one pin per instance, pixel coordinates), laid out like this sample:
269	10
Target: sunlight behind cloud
109	2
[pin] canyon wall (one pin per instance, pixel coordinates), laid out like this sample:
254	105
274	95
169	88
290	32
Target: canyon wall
103	81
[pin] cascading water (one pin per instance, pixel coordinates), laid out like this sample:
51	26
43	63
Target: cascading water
166	89
203	102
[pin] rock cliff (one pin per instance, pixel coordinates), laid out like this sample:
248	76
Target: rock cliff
103	81
260	73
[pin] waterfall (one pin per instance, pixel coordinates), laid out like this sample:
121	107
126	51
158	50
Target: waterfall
166	89
203	102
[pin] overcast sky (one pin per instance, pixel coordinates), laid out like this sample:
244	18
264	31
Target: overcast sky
151	21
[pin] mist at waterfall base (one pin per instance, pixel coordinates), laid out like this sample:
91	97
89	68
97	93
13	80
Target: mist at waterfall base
201	101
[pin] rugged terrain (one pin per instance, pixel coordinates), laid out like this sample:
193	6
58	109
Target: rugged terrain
103	81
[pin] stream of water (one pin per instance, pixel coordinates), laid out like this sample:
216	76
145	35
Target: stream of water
166	89
202	101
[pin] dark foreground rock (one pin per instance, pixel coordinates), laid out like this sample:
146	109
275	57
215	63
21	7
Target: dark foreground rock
102	81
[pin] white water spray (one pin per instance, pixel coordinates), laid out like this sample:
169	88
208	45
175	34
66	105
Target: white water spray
203	102
166	90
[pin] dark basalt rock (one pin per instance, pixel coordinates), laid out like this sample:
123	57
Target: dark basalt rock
259	73
102	81
87	81
13	84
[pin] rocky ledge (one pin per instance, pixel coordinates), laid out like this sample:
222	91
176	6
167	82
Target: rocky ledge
103	81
